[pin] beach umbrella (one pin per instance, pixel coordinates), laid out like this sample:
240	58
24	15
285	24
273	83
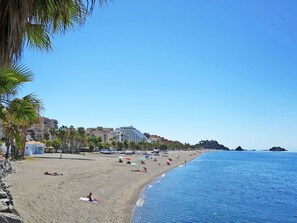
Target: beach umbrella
168	161
133	164
121	157
128	158
142	159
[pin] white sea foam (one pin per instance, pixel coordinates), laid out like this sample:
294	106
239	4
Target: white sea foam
140	202
150	186
163	175
180	165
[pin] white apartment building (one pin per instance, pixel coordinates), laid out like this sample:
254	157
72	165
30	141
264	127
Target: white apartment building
130	134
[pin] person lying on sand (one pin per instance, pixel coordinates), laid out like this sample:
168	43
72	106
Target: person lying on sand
138	170
52	173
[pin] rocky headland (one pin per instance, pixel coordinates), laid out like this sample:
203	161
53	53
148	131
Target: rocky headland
277	148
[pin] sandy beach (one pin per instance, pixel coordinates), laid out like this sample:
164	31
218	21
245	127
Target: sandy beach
43	198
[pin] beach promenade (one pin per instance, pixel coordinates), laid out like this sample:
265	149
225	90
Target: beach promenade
43	198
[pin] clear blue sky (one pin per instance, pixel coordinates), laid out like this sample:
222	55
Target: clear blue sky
185	70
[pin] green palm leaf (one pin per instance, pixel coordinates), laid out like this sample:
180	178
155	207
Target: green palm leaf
34	22
11	80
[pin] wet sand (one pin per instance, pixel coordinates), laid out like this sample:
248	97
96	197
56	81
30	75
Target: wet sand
43	198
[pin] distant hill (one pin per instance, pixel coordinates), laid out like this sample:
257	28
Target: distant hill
161	139
277	148
212	144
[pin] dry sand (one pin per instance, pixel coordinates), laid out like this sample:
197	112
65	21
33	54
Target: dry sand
42	198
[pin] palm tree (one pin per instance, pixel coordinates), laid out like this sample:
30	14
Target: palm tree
52	132
16	114
81	137
71	137
126	144
34	22
62	135
16	117
132	145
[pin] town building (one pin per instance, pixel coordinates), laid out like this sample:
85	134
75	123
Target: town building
106	134
36	132
130	134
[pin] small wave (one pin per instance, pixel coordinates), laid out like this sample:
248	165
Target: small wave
150	186
140	202
181	165
163	175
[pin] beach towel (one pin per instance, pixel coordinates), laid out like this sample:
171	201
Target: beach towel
87	199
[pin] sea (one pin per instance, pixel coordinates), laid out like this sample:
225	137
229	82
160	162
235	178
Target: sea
225	186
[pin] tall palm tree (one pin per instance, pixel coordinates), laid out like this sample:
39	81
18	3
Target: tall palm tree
53	133
34	22
62	135
81	138
16	114
16	117
71	136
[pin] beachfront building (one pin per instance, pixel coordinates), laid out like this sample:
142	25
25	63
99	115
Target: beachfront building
155	139
37	131
106	134
130	134
33	147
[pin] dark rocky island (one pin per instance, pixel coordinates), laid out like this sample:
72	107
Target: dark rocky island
239	149
212	144
277	148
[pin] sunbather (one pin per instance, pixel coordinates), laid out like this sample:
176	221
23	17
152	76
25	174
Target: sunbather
52	173
136	170
90	197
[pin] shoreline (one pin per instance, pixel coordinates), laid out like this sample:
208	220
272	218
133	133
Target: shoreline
159	175
40	198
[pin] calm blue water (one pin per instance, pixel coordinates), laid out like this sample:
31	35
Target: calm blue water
225	187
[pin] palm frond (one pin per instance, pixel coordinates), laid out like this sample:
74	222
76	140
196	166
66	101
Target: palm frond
54	16
38	37
24	111
12	78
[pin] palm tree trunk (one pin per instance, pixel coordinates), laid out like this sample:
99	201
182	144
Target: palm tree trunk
7	144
